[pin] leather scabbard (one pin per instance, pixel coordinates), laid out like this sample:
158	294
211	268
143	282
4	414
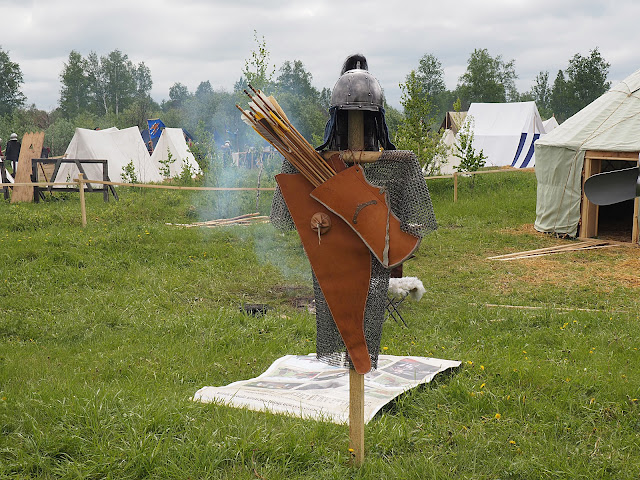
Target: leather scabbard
340	261
364	208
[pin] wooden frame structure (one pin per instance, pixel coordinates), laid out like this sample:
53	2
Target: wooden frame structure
45	165
4	179
589	212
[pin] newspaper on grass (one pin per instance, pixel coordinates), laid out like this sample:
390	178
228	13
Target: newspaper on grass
302	386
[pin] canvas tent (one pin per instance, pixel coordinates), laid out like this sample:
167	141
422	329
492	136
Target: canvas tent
609	124
549	124
118	147
505	132
173	141
453	121
447	164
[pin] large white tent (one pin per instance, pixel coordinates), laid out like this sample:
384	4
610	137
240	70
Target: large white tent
117	147
505	132
611	124
172	141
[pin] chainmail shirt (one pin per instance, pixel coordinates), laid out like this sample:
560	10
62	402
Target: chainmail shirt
399	173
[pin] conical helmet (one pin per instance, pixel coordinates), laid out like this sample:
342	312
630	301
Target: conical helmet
357	89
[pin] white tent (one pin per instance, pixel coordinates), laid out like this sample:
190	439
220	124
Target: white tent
505	132
117	147
549	124
172	141
447	164
611	123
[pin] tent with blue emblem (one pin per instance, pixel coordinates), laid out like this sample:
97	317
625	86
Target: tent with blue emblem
505	132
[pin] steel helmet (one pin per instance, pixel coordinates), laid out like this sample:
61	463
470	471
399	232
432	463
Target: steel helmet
14	136
357	89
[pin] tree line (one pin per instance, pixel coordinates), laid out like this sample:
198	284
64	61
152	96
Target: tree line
100	91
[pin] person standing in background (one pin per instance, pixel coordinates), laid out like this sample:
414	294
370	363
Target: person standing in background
12	152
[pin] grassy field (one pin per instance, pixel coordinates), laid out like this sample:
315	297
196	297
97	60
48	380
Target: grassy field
107	331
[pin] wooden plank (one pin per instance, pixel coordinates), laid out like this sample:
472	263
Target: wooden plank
572	247
604	155
31	148
586	247
589	211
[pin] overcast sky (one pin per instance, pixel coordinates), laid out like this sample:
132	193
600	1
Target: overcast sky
190	41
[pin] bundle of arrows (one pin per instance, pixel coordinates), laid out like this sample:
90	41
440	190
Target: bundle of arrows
267	118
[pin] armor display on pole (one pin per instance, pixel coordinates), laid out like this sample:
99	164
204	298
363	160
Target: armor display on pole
355	222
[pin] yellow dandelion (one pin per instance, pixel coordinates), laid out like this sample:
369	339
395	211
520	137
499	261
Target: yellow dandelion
385	348
482	386
498	416
481	367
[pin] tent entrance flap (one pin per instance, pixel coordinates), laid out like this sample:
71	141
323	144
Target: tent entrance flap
618	221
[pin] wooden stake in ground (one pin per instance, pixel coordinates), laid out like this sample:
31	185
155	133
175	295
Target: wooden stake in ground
356	380
31	147
83	209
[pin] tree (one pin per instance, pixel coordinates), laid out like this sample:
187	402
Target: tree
10	80
120	81
179	94
75	90
115	82
470	159
301	100
204	90
97	83
430	76
541	94
258	71
487	79
584	80
414	133
559	101
142	78
294	78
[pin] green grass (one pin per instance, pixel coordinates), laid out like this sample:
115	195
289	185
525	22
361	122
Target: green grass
107	331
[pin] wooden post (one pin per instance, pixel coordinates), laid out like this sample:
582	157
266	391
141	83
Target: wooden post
356	381
455	187
83	208
356	417
634	230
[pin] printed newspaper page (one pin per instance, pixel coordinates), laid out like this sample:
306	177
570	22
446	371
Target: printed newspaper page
301	385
